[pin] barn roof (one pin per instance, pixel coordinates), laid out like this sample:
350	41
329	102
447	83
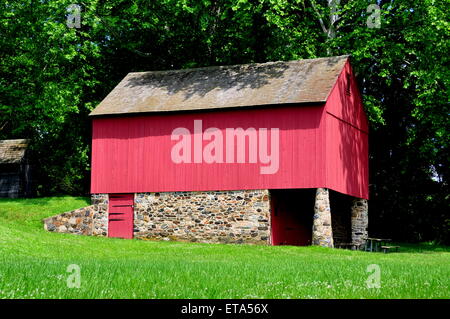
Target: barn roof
300	81
12	151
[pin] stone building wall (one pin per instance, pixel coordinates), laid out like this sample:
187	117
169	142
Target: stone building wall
222	217
78	221
225	217
91	220
100	218
209	217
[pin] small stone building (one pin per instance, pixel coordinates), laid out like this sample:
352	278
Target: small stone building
273	153
15	169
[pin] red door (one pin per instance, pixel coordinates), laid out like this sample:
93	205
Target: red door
120	217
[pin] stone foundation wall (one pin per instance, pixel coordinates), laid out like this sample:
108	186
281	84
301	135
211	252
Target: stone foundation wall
91	220
208	217
225	217
78	221
100	219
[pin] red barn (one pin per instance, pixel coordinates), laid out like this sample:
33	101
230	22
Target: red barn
244	154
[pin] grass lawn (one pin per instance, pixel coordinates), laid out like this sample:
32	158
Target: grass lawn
33	264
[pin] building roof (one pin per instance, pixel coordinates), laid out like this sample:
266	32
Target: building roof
12	151
300	81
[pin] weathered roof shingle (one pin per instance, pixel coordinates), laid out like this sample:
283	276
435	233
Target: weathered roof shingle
301	81
12	151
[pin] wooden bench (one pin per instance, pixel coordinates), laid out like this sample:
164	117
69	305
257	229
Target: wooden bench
386	249
348	246
374	244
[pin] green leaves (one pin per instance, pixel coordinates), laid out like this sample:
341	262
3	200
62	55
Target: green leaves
46	79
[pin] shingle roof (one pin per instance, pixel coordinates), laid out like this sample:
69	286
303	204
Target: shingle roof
300	81
12	151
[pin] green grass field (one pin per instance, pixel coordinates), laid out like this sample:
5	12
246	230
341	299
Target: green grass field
33	264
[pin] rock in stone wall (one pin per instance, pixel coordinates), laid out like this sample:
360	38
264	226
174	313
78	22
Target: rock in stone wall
322	231
100	219
222	216
78	221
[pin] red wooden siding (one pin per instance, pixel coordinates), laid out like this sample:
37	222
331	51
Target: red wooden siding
133	154
347	158
120	215
345	101
347	138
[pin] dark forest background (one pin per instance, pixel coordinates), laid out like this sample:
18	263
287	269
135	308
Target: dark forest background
52	75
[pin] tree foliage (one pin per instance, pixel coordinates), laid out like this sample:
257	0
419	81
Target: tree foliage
51	76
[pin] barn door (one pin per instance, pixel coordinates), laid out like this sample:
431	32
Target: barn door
120	217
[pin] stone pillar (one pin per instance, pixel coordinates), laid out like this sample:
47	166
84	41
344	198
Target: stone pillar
100	218
360	220
322	231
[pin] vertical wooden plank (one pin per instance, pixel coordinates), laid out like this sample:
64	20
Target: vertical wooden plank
347	161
